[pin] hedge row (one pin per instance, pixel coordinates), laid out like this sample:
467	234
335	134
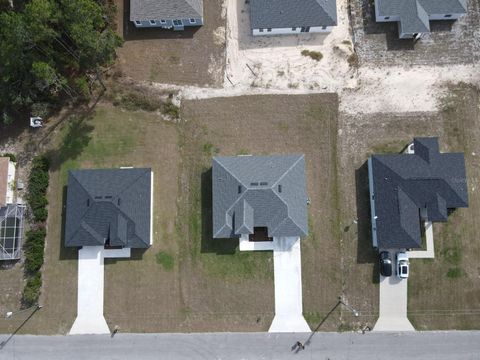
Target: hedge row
37	188
35	239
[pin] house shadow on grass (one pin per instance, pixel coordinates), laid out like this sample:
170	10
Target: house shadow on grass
365	251
131	32
208	243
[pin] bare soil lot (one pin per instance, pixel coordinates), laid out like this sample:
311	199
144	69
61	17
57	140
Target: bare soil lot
447	43
444	293
195	56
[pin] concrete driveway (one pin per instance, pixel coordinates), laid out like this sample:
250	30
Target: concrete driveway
393	305
288	286
90	318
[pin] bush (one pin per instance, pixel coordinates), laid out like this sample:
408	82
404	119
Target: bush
171	109
81	85
315	55
34	244
136	101
37	188
31	291
12	157
41	109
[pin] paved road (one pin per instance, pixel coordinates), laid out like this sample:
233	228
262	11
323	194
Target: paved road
334	346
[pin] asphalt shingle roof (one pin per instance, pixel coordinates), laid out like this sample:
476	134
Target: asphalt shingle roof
165	9
109	204
405	183
414	13
292	13
259	191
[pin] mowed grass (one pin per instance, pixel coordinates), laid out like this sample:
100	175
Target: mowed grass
259	125
444	293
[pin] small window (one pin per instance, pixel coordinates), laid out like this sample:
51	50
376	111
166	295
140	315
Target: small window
261	30
163	21
192	21
269	29
386	17
152	22
294	29
177	22
138	22
447	16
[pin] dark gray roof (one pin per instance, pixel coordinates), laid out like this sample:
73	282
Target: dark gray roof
259	191
405	183
414	13
292	13
109	204
165	9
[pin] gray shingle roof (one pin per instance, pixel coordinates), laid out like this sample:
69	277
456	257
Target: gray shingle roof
405	183
292	13
414	13
165	9
259	191
109	204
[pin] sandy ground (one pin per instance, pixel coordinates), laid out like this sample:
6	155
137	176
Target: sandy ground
274	65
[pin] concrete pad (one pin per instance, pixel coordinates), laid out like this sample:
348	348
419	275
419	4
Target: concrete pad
393	305
90	319
288	286
246	245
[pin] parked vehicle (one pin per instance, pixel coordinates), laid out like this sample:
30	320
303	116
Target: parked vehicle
385	264
402	265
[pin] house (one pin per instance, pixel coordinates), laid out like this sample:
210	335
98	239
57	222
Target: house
11	214
413	16
408	188
110	208
259	197
166	14
271	17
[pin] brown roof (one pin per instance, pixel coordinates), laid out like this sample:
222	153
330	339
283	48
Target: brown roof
4	161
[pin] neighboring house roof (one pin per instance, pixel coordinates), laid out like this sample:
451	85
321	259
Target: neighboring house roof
4	161
405	183
259	191
292	13
414	13
165	9
109	204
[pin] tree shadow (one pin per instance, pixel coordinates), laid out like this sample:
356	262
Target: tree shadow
75	140
208	243
131	32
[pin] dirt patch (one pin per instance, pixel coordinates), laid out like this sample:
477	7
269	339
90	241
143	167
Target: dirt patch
195	56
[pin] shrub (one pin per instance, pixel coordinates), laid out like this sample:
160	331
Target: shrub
81	84
165	259
171	109
41	109
37	188
12	157
31	291
352	59
315	55
34	244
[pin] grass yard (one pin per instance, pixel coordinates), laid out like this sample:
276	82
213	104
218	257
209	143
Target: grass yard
195	56
451	281
258	125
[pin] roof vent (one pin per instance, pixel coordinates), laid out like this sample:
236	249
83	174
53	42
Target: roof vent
279	188
254	184
239	189
263	183
119	201
98	197
108	197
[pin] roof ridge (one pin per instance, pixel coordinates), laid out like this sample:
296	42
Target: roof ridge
189	2
300	157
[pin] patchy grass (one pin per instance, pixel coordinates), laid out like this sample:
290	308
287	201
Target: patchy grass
165	259
315	55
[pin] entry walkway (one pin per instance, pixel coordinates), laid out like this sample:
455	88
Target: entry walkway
90	318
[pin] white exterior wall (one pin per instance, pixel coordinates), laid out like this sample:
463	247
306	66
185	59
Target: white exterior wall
285	31
10	182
